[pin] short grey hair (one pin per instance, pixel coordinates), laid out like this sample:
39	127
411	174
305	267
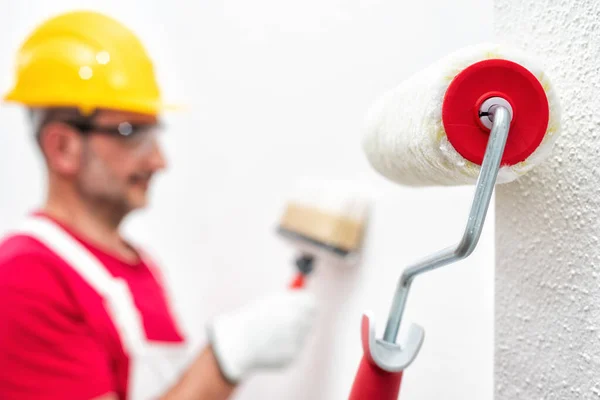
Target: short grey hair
39	116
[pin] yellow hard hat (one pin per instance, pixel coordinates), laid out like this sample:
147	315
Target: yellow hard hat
86	60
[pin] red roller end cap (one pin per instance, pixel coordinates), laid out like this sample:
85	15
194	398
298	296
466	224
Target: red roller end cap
484	80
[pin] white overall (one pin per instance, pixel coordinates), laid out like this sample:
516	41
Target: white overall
154	366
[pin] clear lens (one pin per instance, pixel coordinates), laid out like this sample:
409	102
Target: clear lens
139	139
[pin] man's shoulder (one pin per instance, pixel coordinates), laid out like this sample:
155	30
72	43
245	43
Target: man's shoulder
25	261
15	248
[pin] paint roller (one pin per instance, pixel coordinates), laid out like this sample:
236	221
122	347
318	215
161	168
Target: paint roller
324	220
482	115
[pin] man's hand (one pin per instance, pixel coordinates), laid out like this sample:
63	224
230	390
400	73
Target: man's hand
267	334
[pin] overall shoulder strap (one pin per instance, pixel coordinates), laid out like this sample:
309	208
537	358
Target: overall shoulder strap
115	291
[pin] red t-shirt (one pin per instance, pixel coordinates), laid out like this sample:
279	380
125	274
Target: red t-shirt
57	341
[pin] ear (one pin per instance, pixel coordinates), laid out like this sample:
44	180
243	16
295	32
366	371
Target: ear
62	146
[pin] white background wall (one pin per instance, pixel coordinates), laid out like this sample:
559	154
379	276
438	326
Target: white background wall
277	91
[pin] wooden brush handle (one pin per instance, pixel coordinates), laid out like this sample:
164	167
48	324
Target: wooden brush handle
304	264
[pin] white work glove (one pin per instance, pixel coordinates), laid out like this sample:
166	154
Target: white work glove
266	334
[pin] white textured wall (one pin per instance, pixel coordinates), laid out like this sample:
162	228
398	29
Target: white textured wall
277	91
548	253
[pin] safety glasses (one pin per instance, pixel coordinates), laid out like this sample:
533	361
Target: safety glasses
124	129
140	137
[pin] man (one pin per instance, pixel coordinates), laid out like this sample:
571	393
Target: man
83	313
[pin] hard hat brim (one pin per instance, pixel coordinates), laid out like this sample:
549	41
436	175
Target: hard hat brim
128	105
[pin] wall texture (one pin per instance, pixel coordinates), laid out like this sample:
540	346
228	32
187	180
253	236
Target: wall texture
548	254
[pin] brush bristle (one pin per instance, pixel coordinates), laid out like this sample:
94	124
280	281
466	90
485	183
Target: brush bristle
330	213
333	197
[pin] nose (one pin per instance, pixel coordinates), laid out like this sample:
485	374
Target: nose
156	158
